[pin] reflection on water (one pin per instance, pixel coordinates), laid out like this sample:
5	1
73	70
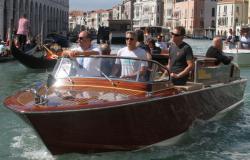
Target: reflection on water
225	138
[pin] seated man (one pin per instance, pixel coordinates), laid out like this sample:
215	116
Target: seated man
106	63
215	51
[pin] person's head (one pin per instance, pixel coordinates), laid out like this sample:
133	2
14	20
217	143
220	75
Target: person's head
217	42
230	31
105	49
24	16
159	38
178	34
84	39
140	35
131	40
151	43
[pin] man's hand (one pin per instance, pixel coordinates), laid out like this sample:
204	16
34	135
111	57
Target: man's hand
174	75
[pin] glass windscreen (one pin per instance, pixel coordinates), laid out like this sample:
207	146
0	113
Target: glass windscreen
111	68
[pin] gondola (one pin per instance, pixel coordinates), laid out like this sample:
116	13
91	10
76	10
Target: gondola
30	61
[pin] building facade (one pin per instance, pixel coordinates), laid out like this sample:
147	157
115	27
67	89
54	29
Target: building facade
231	13
148	13
210	10
168	13
45	15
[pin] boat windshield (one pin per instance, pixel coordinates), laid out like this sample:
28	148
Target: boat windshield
106	67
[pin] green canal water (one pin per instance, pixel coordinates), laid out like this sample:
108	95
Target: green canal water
226	138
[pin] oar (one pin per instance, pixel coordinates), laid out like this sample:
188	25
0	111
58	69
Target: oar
50	52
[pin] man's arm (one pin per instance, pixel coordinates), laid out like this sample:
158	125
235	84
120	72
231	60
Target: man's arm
71	53
185	71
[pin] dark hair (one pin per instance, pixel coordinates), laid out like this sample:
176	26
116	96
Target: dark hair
181	29
132	33
24	15
151	40
140	35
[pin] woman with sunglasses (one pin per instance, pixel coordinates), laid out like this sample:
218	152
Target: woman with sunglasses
180	61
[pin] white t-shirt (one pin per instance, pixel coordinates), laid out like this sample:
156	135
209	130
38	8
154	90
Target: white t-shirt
130	66
90	66
246	42
162	45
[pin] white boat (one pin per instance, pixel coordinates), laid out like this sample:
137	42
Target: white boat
241	56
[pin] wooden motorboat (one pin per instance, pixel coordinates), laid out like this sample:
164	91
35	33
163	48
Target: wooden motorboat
30	61
92	109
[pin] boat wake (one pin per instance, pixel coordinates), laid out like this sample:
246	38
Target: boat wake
28	146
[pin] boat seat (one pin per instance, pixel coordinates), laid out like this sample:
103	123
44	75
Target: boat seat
190	86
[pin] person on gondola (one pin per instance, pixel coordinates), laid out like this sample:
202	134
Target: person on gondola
181	59
23	30
215	51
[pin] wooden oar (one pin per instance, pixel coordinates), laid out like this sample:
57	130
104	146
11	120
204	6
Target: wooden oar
50	52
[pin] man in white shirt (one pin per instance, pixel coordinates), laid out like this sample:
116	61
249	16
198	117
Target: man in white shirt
90	66
131	68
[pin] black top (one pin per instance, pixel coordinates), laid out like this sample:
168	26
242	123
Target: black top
143	46
213	52
155	50
178	57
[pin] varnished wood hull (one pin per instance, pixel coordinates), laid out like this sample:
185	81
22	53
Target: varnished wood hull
134	125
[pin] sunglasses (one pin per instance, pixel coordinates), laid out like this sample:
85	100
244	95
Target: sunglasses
174	34
82	38
129	39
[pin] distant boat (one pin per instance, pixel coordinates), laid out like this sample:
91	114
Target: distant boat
241	56
84	112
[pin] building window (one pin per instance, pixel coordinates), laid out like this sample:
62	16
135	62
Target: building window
213	12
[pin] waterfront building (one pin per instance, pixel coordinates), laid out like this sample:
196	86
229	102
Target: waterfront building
117	12
98	18
168	13
45	15
77	21
231	13
210	10
106	15
190	14
128	11
248	12
148	13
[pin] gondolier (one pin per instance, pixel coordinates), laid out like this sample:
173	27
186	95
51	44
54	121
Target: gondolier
23	30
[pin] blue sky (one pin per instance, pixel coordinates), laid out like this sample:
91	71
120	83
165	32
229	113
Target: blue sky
88	5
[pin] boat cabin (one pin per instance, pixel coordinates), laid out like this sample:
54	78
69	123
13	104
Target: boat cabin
154	75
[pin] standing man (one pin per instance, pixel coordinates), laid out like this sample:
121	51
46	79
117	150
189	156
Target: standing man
130	68
23	30
180	61
85	48
215	51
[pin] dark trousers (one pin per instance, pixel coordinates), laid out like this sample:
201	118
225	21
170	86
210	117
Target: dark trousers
22	39
179	81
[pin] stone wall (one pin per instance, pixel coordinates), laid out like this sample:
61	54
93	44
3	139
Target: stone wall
45	16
